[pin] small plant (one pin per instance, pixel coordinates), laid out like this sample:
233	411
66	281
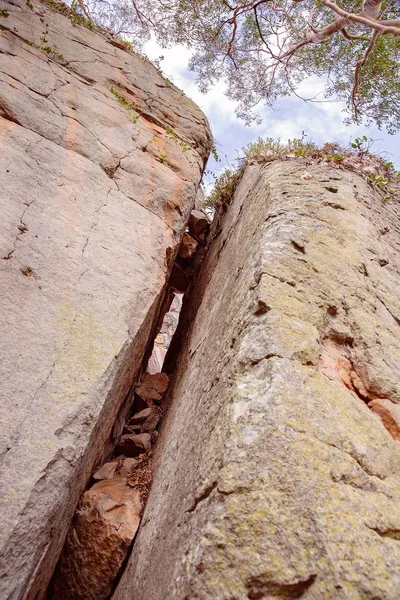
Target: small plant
125	104
215	153
43	37
73	12
163	158
224	189
51	51
362	144
127	46
29	5
377	180
174	138
4	13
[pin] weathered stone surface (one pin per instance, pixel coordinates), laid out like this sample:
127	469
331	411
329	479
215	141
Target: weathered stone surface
102	531
91	219
273	478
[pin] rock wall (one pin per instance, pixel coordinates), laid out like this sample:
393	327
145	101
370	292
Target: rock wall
96	192
275	475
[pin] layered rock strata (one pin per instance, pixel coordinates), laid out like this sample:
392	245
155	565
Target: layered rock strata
275	475
96	193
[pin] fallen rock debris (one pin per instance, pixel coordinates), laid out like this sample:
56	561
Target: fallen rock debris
109	512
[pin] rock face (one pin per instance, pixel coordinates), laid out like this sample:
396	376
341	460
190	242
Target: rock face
275	476
95	198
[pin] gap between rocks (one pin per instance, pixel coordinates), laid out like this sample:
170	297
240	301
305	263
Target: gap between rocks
108	514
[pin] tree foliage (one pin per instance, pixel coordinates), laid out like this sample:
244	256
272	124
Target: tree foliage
264	49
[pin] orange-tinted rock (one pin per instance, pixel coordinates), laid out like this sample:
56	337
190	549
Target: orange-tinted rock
118	467
335	366
188	247
102	531
389	414
152	386
133	444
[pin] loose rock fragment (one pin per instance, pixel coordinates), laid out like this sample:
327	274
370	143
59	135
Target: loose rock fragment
151	422
179	280
188	247
106	471
152	386
140	417
121	466
199	224
134	444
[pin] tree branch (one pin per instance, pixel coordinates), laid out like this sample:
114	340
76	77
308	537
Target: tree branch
361	63
379	26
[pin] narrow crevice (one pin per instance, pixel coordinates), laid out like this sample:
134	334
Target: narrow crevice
109	512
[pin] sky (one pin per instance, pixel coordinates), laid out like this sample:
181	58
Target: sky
321	122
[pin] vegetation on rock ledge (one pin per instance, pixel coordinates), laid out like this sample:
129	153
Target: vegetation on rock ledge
358	158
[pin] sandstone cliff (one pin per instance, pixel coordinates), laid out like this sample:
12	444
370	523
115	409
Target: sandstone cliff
100	162
277	474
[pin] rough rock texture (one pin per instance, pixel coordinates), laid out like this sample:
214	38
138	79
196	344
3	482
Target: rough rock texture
273	478
95	198
103	528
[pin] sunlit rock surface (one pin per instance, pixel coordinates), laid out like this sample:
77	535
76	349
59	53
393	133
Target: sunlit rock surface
273	476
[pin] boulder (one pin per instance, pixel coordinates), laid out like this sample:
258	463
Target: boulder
103	529
188	247
199	224
152	387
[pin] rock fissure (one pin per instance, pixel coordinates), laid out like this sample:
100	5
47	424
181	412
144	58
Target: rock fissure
102	532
